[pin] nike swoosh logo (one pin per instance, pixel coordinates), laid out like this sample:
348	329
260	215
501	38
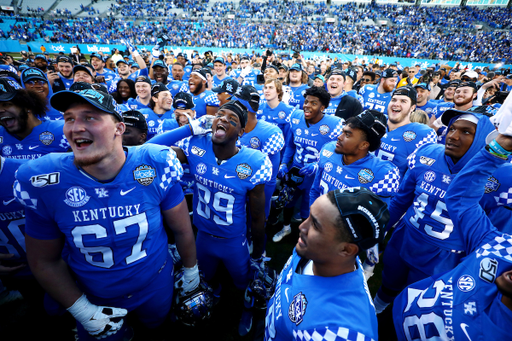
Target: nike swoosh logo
286	294
32	147
348	177
245	241
314	134
126	192
395	140
228	176
463	326
8	202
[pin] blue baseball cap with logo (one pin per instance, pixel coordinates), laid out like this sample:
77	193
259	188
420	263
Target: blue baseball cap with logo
96	55
296	67
7	90
424	86
159	63
62	100
33	73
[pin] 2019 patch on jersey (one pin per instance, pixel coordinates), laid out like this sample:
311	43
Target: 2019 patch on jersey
297	308
243	171
46	138
409	135
365	176
144	175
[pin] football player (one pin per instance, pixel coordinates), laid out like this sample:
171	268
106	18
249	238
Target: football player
22	133
219	66
403	137
111	206
206	101
474	300
335	87
309	131
160	108
377	97
298	85
274	110
322	284
143	91
424	223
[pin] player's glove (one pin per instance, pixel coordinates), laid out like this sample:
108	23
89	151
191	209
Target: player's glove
99	321
258	264
155	52
190	279
245	71
131	48
283	170
202	125
309	169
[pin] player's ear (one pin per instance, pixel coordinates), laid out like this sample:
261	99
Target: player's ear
346	249
120	128
364	145
242	131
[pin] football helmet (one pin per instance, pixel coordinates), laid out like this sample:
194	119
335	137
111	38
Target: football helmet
194	306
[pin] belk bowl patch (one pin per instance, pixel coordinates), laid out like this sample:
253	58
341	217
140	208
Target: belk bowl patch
144	175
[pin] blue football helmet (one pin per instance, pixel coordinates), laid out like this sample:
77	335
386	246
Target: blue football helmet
195	306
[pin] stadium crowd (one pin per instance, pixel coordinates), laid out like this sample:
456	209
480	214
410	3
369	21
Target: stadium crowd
142	189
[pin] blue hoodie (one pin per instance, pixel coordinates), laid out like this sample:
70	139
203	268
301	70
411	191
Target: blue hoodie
51	113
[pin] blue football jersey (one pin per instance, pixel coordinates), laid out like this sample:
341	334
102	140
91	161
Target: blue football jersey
135	104
217	82
221	191
268	139
177	86
497	200
421	196
154	120
249	79
12	215
297	96
374	100
205	99
306	307
397	145
379	176
305	141
278	116
66	81
45	138
461	304
108	74
428	107
114	231
441	107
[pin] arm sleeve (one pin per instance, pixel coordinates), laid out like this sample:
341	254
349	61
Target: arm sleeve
403	199
171	137
315	188
289	147
463	201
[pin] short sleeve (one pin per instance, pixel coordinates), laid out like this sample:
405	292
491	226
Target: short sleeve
263	174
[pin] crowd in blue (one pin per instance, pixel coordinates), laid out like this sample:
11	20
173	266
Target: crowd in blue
434	32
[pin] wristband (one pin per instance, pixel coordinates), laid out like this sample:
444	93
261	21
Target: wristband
492	152
135	53
495	146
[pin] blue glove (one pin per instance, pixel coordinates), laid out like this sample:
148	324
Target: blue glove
283	170
309	169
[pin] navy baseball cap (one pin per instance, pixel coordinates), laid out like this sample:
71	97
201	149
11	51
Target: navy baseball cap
388	73
96	55
454	83
160	63
337	72
143	79
449	114
81	68
64	59
41	56
248	96
183	101
135	119
424	86
79	86
228	85
157	88
352	74
33	73
407	91
470	84
296	67
62	100
364	213
122	61
273	67
7	90
219	60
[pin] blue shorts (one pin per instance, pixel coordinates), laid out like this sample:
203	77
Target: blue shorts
232	252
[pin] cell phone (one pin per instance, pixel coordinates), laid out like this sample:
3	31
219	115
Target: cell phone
74	50
260	79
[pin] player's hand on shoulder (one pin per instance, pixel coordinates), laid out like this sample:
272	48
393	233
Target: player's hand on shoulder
99	321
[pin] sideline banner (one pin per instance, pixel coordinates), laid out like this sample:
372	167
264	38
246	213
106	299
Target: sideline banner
15	46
